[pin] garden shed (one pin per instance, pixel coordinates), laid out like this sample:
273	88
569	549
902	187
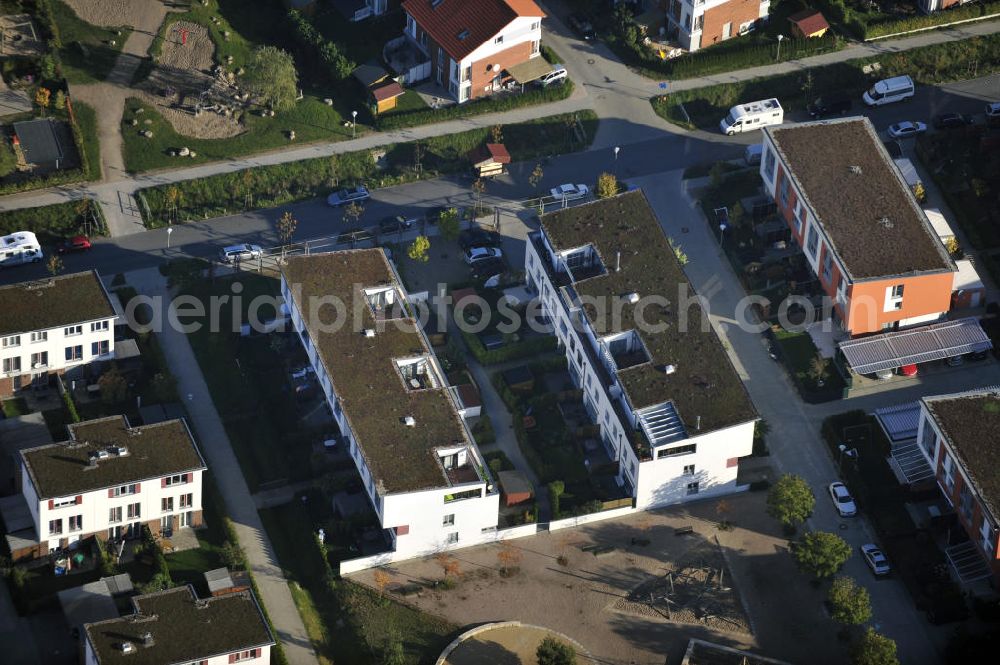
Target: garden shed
808	23
37	142
385	95
489	159
514	487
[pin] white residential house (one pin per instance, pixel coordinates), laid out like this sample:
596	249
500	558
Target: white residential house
697	24
473	46
671	408
421	469
108	480
51	326
175	627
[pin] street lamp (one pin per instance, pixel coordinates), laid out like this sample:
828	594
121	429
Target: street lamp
354	124
840	458
170	230
722	233
617	150
778	57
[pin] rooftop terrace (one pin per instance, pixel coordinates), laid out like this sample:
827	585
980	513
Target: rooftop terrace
71	468
703	384
374	394
861	201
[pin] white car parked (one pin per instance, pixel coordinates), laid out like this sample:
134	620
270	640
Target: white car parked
842	500
906	129
569	192
237	253
557	75
875	559
476	254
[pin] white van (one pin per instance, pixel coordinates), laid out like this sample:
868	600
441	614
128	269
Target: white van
18	248
753	154
557	75
888	91
748	117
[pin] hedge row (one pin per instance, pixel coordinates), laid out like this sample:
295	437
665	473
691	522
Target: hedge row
50	223
892	26
316	46
513	351
496	104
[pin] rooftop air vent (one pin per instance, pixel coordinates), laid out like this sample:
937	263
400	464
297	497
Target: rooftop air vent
369	332
134	431
410	421
669	369
118	451
885	222
856	170
632	298
147	639
126	647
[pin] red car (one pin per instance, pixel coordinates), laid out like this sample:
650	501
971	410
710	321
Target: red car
908	370
75	244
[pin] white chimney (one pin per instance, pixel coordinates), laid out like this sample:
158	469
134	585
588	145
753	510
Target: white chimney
410	421
618	261
632	298
126	647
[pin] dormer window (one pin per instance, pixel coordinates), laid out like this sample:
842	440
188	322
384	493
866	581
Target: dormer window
385	303
418	373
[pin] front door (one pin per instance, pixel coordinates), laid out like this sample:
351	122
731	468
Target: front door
115	532
440	65
185	519
167	525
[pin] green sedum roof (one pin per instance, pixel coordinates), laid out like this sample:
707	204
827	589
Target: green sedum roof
53	302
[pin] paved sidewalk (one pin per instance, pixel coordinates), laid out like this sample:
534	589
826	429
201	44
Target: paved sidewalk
215	446
866	50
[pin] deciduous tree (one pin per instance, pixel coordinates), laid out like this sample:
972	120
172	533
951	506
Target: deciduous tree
54	265
286	227
418	250
508	557
449	224
874	649
271	78
42	97
607	186
850	603
821	553
790	501
553	652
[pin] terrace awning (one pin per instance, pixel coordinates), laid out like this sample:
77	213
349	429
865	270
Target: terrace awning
900	422
918	345
528	71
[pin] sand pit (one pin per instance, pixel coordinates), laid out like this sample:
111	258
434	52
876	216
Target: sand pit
112	13
197	54
20	36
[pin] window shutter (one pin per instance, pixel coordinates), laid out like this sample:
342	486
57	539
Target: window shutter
79	499
163	482
52	504
232	658
111	493
189	477
138	486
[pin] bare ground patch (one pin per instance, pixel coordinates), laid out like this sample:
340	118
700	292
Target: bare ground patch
139	14
195	53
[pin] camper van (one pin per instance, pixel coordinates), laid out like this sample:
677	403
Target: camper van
888	91
20	247
748	117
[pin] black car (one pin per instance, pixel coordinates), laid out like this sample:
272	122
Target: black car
830	105
893	148
951	120
394	224
582	26
477	237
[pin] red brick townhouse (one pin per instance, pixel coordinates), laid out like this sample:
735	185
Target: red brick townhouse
697	24
471	43
958	436
871	247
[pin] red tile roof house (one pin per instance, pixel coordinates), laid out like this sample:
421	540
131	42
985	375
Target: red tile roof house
471	43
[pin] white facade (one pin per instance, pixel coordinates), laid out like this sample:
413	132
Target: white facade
56	349
690	466
259	656
523	29
690	26
422	522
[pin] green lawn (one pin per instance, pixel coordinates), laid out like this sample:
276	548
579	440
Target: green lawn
8	160
86	53
409	102
310	119
86	121
347	623
51	223
14	407
360	44
797	353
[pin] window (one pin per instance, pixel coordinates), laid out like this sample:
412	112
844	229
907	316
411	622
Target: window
186	500
928	440
949	474
453	537
827	265
100	348
467	73
769	162
692	488
12	364
134	511
167	504
98	325
783	191
699	22
40	359
55	527
986	535
498	40
536	25
241	656
75	522
800	215
965	503
178	479
63	502
73	330
897	291
13	340
677	450
74	353
812	243
689	469
115	515
42	336
449	520
125	490
534	47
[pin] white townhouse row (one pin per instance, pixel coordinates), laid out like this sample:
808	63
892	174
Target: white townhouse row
51	326
107	480
421	468
672	411
175	627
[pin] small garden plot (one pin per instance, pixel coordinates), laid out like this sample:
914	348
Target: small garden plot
492	342
698	588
